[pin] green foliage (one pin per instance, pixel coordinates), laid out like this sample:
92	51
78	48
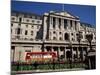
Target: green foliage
48	66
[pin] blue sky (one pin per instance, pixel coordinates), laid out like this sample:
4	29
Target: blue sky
86	13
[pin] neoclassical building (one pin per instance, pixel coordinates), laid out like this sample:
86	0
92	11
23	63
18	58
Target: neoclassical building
51	32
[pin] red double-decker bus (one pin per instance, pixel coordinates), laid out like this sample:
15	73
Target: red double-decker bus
40	56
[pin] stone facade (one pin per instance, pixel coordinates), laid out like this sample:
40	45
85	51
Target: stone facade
54	31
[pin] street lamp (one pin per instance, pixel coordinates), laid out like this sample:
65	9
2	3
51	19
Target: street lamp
79	37
71	54
89	37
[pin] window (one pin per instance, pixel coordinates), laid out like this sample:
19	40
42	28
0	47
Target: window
59	32
75	25
54	38
66	36
33	21
11	24
54	32
54	22
27	20
71	33
65	23
59	22
60	38
20	19
31	39
26	32
31	32
11	30
38	21
32	26
19	24
13	47
12	18
26	26
18	30
72	39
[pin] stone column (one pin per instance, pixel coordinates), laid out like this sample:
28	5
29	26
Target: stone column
62	23
72	55
68	23
77	52
58	52
78	25
51	22
73	25
56	24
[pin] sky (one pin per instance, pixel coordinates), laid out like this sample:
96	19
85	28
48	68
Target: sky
86	13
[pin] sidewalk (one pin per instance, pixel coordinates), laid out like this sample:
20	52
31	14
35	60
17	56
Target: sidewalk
46	71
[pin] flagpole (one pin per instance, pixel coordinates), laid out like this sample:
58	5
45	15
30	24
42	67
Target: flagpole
63	7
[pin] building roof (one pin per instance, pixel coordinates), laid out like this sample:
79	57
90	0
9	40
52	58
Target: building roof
64	14
87	24
25	13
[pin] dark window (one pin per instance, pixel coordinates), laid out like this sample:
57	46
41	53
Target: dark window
33	21
54	32
20	19
54	38
31	39
54	22
19	24
32	26
27	20
59	22
26	39
71	33
26	26
72	39
13	47
11	24
65	23
38	21
12	18
26	32
59	32
11	30
31	32
60	38
18	31
75	25
66	36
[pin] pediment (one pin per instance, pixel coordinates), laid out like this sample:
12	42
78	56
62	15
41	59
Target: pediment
66	14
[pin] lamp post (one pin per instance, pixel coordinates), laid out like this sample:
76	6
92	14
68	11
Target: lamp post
79	37
89	37
71	54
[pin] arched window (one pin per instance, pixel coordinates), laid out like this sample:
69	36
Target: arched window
66	36
60	38
54	38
